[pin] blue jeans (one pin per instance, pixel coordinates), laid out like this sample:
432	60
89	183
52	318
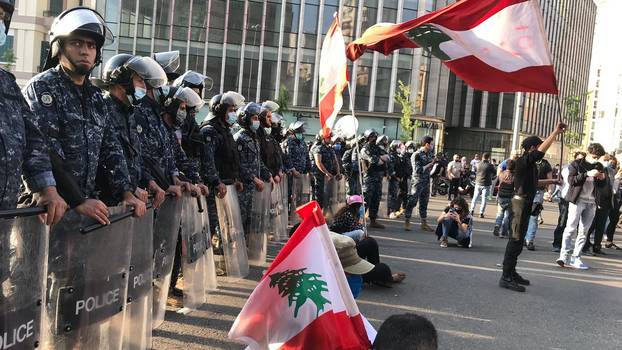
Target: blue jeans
480	191
356	235
449	228
504	214
533	219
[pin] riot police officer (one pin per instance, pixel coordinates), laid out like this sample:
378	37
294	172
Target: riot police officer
253	171
375	161
169	61
325	166
271	153
73	116
409	149
422	162
297	161
350	163
124	78
24	151
396	174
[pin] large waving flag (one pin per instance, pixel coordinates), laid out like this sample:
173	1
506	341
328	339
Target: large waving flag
303	301
493	45
333	75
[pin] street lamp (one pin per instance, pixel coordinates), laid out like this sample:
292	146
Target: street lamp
254	27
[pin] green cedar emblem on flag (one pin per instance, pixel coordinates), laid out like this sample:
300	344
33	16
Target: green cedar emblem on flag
299	286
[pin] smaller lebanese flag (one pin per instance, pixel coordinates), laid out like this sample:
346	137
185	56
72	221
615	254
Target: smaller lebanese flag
493	45
333	75
303	301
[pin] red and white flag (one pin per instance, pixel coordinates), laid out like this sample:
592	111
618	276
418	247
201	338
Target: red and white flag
493	45
333	75
303	301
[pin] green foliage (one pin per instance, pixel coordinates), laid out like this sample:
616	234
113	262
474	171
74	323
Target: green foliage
283	100
9	59
299	286
572	109
402	97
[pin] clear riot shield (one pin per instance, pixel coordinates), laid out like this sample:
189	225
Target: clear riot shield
260	226
342	192
137	332
300	194
194	245
87	283
331	204
278	211
235	258
383	208
23	254
165	228
211	283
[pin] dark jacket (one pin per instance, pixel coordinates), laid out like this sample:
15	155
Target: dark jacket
485	172
577	174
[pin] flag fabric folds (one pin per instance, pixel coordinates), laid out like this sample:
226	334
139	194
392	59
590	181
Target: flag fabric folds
303	301
493	45
333	76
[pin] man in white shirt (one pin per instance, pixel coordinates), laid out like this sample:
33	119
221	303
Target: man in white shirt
454	172
474	163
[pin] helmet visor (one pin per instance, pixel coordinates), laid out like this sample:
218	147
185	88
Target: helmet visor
194	79
83	19
149	70
269	106
169	60
191	98
232	98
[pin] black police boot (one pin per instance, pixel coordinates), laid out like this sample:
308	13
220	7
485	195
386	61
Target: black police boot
509	283
519	279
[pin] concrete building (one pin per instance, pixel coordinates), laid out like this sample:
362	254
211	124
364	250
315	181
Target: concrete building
605	108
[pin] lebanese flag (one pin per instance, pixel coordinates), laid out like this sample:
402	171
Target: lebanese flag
333	75
303	301
493	45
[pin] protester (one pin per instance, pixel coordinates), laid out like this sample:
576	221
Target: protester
406	332
454	169
545	180
525	182
504	200
563	205
474	163
455	222
614	214
604	205
347	220
483	182
353	265
584	177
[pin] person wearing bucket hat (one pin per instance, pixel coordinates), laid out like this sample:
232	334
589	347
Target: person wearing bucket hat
62	99
24	152
353	265
525	183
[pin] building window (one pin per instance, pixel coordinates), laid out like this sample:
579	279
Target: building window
56	7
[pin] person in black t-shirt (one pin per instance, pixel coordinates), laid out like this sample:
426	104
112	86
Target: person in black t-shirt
525	185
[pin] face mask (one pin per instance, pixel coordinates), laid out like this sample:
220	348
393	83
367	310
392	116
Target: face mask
138	95
356	284
231	118
255	125
337	147
267	130
181	117
2	33
300	137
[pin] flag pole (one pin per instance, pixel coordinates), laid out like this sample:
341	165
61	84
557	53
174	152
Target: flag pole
515	130
561	136
358	156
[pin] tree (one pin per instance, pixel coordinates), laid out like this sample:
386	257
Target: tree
403	98
283	100
572	117
299	286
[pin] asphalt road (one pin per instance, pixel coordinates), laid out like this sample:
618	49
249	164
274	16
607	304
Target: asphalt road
456	288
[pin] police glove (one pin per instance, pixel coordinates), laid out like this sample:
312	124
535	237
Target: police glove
55	204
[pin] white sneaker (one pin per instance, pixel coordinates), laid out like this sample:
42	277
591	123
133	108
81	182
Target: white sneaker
576	263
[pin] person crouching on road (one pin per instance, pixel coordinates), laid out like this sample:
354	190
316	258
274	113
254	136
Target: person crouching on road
455	222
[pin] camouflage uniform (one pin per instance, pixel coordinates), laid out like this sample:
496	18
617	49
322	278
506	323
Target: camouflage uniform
296	156
372	180
155	141
220	162
188	168
191	140
407	171
123	121
351	170
75	121
328	160
22	147
420	186
251	166
396	173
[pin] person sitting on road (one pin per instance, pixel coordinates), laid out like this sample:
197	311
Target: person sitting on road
407	331
455	222
353	265
347	222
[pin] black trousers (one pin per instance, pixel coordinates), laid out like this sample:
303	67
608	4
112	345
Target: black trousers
453	188
176	262
598	226
367	249
561	223
614	216
521	207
